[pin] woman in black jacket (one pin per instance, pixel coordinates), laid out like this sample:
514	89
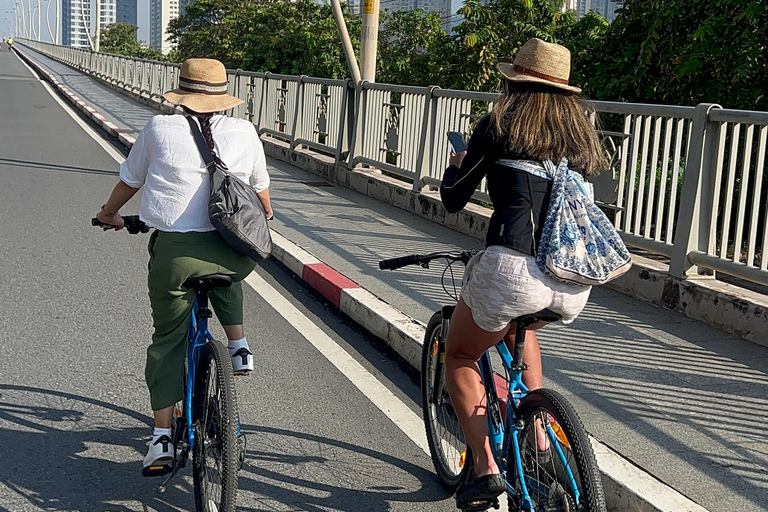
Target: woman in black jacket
538	117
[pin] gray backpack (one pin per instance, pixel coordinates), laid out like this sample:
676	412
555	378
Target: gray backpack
234	207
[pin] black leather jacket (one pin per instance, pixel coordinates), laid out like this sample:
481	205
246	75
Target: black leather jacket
520	199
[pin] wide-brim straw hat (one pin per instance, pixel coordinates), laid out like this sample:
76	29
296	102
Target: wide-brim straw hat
540	62
203	87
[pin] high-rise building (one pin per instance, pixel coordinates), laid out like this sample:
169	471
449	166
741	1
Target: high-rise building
74	32
107	13
127	12
606	8
161	12
442	7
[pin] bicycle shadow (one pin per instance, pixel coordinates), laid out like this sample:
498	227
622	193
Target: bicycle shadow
351	476
62	451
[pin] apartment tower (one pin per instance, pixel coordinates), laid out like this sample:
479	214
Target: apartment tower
161	12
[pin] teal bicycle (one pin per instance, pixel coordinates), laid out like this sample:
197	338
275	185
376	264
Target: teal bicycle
562	478
207	423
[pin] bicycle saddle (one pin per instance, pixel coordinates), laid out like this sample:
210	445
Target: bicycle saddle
209	282
545	315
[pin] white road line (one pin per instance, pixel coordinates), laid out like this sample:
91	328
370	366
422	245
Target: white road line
111	151
400	414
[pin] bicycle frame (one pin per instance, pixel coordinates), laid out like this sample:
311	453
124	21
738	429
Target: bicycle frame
198	337
500	432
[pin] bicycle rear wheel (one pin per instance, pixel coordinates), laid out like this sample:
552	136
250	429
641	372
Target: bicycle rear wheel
447	445
565	477
216	454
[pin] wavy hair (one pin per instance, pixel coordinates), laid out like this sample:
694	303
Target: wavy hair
546	123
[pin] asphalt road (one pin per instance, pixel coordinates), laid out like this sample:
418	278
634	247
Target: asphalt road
74	410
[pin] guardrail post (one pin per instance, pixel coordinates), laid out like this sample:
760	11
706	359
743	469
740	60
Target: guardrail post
298	110
346	121
361	101
426	138
695	216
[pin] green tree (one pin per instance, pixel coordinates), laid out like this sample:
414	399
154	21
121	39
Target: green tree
494	32
684	52
120	39
413	49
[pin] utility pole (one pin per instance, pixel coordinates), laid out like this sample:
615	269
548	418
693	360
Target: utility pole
369	40
98	25
57	20
39	16
346	43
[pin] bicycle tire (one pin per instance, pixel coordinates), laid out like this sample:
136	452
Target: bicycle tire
578	452
448	450
215	423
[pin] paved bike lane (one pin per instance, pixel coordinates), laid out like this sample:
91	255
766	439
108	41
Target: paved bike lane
74	412
668	393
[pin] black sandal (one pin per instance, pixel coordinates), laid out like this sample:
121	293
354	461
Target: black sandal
476	494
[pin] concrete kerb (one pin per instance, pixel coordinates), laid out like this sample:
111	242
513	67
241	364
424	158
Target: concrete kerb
627	487
125	139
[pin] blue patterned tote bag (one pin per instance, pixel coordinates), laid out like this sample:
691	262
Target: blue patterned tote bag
578	244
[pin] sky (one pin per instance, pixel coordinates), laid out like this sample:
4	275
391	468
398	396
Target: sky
50	6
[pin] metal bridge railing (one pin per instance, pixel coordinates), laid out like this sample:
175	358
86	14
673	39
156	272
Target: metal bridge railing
687	183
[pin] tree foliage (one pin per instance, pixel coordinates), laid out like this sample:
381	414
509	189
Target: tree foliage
120	38
684	52
657	51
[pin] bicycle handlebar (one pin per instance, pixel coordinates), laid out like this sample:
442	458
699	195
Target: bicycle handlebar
422	259
132	223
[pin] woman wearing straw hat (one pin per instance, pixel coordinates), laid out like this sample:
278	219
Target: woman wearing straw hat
538	117
167	163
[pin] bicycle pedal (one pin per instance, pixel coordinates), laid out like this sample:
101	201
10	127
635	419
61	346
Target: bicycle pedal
480	505
158	470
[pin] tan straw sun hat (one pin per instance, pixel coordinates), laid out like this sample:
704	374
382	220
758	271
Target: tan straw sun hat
203	87
540	62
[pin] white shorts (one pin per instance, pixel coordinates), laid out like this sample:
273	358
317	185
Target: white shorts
501	284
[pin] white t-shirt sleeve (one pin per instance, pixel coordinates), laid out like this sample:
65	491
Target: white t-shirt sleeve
259	176
133	171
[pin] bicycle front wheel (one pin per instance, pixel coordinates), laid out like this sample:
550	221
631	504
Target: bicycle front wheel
215	466
447	445
558	465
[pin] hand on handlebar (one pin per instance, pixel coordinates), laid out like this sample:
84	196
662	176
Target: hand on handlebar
115	221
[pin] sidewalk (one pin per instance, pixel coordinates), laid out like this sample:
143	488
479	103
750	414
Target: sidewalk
685	402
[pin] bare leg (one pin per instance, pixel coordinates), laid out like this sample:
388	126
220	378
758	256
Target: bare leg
234	332
163	417
465	344
533	376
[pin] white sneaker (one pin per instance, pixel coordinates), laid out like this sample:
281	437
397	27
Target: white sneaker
242	360
159	457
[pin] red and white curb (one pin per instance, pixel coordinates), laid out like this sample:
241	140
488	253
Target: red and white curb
401	332
627	487
125	138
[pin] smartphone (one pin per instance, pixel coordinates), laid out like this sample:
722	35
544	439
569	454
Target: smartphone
456	140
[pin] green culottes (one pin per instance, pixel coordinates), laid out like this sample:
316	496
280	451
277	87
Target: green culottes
173	258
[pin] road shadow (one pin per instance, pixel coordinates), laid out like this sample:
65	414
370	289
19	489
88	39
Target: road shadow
46	166
66	452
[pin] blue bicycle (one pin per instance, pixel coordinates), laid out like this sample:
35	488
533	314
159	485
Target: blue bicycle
207	423
564	477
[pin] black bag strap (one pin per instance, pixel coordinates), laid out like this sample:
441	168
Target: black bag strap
202	146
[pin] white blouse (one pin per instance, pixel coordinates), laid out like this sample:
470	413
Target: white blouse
166	161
